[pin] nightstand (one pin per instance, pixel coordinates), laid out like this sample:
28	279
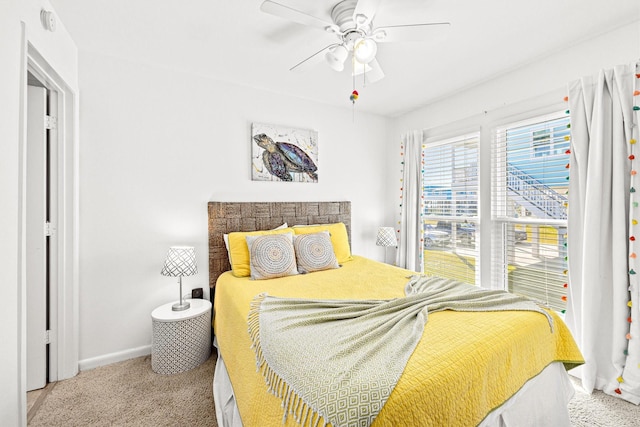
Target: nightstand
181	339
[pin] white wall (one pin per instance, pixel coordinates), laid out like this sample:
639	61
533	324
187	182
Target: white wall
59	51
157	145
10	354
540	77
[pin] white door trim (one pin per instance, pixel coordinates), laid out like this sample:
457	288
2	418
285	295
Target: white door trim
64	187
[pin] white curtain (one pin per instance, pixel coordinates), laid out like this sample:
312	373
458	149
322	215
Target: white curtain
602	310
410	246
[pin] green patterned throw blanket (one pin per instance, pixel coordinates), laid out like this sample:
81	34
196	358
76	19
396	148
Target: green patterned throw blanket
339	360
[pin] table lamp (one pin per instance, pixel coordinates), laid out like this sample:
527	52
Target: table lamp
386	237
181	261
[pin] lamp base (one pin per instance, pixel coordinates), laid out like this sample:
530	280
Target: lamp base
180	306
385	256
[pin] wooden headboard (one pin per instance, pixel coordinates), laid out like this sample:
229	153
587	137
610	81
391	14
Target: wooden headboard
226	217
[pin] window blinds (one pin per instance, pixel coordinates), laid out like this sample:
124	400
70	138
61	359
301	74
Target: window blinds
450	189
529	208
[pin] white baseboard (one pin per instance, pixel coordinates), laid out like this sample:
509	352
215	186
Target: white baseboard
110	358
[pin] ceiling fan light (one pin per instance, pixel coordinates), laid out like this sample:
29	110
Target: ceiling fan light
360	68
336	57
365	50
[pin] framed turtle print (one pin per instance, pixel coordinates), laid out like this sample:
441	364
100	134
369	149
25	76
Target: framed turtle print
283	154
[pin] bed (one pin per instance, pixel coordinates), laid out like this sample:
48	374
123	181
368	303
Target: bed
493	368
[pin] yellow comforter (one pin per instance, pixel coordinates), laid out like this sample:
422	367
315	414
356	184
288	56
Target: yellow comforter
466	364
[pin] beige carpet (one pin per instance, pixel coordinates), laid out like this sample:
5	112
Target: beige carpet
129	393
601	410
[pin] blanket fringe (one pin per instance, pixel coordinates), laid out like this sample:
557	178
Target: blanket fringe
292	403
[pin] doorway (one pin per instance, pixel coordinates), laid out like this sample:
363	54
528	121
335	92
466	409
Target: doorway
49	210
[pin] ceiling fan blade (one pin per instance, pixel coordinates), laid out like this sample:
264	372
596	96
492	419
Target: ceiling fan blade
371	72
375	73
294	15
312	60
365	11
411	32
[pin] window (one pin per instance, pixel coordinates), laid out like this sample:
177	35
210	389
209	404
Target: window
450	190
529	208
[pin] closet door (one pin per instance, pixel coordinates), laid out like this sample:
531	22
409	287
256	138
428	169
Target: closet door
36	238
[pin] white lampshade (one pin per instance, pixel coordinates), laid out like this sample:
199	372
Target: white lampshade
386	237
180	261
364	50
336	57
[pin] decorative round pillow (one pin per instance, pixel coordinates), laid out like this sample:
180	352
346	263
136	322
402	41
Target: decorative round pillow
271	256
314	252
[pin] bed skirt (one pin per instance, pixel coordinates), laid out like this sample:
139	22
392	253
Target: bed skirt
542	401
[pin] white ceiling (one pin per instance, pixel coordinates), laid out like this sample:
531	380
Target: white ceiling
232	40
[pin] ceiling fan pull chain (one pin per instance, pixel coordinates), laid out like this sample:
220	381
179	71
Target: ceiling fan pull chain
364	76
353	71
354	94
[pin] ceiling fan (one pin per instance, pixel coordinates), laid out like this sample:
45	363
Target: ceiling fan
352	24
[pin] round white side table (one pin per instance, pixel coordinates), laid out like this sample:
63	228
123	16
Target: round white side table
181	339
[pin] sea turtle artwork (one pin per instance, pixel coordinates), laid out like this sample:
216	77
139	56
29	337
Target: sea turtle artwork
277	160
281	158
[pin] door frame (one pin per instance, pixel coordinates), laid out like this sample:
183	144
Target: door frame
64	273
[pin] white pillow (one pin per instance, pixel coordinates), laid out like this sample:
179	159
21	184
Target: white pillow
271	256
